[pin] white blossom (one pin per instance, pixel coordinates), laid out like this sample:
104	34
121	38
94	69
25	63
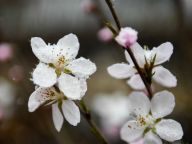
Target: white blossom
58	65
60	78
149	122
160	75
61	106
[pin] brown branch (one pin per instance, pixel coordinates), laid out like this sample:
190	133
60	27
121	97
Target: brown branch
115	17
87	115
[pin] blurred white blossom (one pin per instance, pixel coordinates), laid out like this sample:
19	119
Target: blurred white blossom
7	98
149	122
113	111
145	57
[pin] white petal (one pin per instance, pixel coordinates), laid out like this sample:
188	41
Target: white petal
163	52
69	45
169	130
128	58
164	77
140	103
121	70
71	112
82	67
83	85
57	117
162	104
44	52
135	82
44	76
139	54
131	131
38	97
70	86
151	138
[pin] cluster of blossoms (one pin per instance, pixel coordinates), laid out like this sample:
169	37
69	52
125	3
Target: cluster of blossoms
60	78
147	123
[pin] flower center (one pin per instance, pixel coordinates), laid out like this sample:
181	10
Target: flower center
147	121
60	66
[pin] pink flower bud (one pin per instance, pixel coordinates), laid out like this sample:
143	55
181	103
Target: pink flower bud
6	52
127	37
105	34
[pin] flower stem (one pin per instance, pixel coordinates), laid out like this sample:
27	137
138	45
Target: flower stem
116	19
87	115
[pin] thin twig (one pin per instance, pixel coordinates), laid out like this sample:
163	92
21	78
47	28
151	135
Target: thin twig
115	17
87	115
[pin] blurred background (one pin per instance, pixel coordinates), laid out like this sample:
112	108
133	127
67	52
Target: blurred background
157	21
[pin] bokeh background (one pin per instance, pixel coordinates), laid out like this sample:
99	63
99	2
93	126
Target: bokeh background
157	21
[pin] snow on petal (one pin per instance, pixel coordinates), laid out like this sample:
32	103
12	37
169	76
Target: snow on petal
131	131
121	70
82	67
135	82
71	112
69	45
164	77
169	130
70	86
163	52
151	138
44	76
126	37
162	104
57	117
39	97
140	103
139	54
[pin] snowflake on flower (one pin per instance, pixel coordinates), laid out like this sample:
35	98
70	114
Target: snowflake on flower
149	61
60	78
148	119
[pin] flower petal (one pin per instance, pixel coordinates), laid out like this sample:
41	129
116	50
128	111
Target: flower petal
44	76
140	103
82	67
44	52
69	45
151	138
169	130
139	54
128	58
163	52
70	86
162	104
135	82
71	112
131	131
39	97
121	70
164	77
57	117
83	85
